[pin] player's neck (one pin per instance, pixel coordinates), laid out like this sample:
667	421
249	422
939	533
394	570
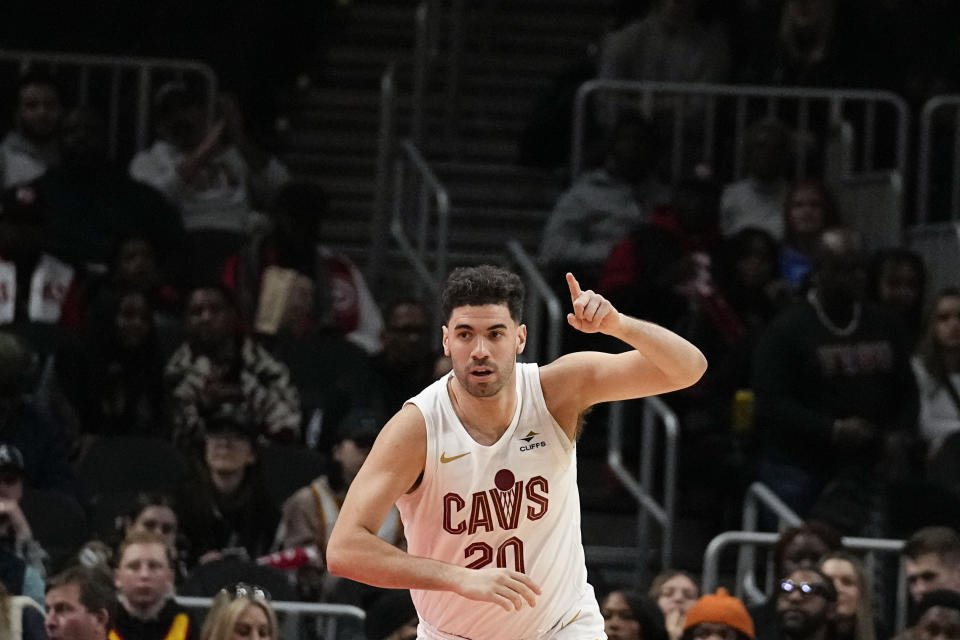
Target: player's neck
485	419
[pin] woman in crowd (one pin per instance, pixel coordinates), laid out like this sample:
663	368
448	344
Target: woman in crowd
937	369
242	611
123	382
854	614
808	210
629	615
674	591
897	281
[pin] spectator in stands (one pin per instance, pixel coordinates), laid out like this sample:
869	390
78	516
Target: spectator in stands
92	203
81	605
42	442
725	316
240	611
33	145
809	209
15	533
601	206
226	509
855	612
122	381
718	615
897	281
295	250
669	44
799	547
814	46
35	286
936	366
674	592
932	561
134	264
392	616
218	367
156	513
835	396
310	513
806	606
937	617
144	579
628	615
21	618
409	356
214	173
663	259
757	200
749	283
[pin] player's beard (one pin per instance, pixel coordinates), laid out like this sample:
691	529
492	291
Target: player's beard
485	388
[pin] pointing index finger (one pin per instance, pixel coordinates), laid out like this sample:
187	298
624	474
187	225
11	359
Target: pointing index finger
574	286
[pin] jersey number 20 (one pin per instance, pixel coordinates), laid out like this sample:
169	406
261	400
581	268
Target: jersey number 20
486	554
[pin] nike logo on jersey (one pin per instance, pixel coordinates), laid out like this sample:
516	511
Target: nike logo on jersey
444	459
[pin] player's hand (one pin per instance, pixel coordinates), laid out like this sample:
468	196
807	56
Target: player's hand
592	312
503	587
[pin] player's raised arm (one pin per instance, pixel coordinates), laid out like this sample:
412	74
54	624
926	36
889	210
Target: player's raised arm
356	552
661	361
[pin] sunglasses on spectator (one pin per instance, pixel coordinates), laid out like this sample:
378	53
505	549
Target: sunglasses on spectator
248	591
805	588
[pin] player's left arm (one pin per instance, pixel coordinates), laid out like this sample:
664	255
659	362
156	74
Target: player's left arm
660	361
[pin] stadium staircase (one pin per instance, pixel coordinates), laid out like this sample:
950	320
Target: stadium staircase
514	50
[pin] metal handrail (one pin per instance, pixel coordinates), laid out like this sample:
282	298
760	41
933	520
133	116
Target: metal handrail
758	494
925	144
295	610
380	220
143	69
428	187
539	294
711	560
654	411
710	92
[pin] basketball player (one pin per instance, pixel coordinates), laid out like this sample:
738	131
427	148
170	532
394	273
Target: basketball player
482	467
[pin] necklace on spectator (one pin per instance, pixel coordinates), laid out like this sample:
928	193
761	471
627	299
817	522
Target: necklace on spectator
827	322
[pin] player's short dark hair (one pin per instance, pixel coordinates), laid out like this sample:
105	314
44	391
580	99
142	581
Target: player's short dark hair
944	542
484	284
96	588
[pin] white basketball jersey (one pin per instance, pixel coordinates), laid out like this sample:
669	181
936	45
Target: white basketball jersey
511	504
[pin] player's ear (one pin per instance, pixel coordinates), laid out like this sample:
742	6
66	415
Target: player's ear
446	340
521	338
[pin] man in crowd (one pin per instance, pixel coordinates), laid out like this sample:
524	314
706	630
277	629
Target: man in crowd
932	559
33	145
144	580
219	369
806	605
81	605
937	616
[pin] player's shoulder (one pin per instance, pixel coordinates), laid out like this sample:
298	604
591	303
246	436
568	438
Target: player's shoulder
408	420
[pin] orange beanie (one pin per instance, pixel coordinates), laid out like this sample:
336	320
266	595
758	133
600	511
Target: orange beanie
720	608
